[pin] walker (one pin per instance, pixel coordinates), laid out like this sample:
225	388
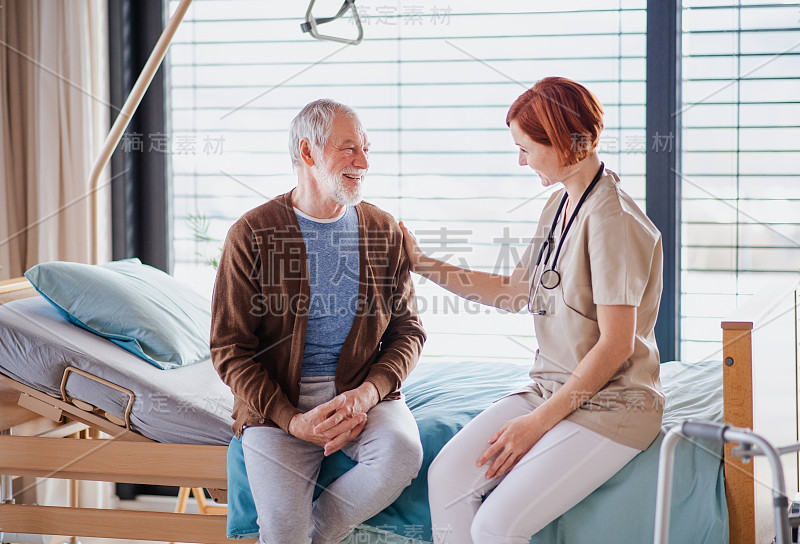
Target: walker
750	445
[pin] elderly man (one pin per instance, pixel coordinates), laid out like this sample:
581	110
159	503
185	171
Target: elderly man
314	328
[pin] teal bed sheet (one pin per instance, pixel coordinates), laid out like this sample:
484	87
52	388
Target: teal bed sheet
445	396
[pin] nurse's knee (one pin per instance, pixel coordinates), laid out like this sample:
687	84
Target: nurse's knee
450	475
490	528
441	474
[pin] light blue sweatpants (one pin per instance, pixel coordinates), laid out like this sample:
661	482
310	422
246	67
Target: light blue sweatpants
282	471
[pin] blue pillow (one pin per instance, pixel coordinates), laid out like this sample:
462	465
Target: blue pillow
138	307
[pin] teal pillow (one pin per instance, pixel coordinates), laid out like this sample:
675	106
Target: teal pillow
138	307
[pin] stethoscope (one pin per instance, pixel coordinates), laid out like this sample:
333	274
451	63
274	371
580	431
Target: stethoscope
550	278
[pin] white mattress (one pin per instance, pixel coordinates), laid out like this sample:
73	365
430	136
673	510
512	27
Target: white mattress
187	405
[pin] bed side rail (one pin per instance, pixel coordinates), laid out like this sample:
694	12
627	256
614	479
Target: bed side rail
184	465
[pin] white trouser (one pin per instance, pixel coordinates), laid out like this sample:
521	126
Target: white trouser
566	465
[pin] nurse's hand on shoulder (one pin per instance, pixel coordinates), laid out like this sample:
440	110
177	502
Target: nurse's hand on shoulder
510	444
411	246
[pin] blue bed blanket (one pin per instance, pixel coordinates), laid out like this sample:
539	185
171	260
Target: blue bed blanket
444	396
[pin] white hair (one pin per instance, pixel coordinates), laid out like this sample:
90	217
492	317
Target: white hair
314	123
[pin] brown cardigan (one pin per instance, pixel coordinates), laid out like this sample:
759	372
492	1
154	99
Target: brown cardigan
260	310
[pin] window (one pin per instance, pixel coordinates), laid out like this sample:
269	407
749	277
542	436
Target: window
432	83
740	182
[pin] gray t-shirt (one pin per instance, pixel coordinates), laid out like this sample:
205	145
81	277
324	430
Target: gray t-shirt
333	269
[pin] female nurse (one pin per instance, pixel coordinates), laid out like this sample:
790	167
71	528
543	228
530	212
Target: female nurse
591	277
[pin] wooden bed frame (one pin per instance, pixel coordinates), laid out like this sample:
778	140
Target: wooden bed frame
760	383
760	391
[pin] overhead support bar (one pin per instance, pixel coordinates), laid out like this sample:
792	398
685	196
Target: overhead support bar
310	26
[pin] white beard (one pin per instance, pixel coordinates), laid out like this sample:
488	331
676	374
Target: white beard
333	182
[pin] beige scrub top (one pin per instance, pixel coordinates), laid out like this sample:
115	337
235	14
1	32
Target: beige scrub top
611	256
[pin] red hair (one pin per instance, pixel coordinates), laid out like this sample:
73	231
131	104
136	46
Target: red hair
560	113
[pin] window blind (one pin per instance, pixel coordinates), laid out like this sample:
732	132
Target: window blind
432	84
741	188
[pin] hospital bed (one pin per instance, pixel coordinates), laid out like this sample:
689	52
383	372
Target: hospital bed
757	376
89	416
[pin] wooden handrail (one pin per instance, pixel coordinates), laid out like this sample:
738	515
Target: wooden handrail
14	284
